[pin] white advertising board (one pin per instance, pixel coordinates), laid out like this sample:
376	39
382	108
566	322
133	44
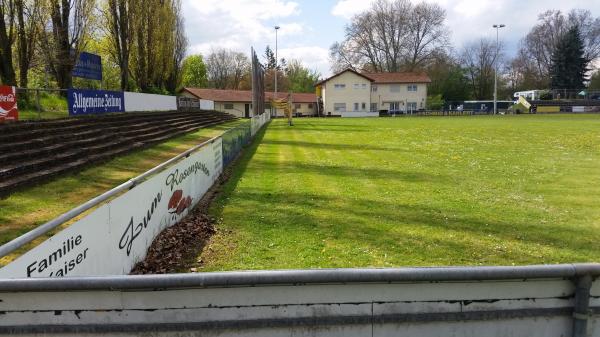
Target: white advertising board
207	104
358	114
138	102
111	239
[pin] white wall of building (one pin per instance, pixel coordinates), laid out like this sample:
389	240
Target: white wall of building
347	89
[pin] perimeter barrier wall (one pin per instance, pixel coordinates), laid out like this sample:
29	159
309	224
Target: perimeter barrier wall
123	222
534	301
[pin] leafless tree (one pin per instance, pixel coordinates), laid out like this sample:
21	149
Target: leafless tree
428	35
392	36
226	68
479	59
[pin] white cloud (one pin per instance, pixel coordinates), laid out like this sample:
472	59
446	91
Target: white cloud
237	24
349	8
312	57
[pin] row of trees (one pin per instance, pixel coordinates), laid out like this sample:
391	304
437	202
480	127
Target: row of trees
142	42
396	35
228	69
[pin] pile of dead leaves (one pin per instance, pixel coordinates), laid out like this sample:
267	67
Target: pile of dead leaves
172	250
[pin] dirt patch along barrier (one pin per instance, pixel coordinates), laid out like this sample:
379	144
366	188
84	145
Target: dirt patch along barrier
176	249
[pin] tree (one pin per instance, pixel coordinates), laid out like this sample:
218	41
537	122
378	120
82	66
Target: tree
29	14
180	43
194	72
428	35
69	22
392	36
448	79
301	79
595	81
539	44
569	63
118	17
479	59
7	37
226	69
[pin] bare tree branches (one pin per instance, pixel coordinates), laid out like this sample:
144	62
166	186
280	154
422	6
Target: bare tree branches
479	59
392	36
225	68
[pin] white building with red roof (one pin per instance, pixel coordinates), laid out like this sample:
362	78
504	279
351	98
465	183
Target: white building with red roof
354	94
239	102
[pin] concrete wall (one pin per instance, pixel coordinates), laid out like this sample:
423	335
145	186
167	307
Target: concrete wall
393	302
349	95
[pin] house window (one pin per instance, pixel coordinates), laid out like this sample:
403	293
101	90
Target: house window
339	107
364	107
395	88
374	88
310	106
411	106
373	106
355	106
298	106
412	88
394	106
364	86
339	86
356	86
228	106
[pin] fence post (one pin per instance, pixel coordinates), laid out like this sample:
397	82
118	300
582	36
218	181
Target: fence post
581	310
37	103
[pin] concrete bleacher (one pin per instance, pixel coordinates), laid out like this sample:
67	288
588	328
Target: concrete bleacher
31	152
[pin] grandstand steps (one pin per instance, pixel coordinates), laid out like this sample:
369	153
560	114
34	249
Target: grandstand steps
33	152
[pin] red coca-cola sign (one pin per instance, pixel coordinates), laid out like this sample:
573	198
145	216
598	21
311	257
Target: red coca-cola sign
8	104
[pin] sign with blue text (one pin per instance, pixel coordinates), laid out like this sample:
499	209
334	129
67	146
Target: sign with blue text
88	66
95	102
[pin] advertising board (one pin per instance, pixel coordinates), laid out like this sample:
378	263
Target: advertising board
8	104
94	102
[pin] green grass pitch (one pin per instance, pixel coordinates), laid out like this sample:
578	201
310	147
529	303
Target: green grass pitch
413	192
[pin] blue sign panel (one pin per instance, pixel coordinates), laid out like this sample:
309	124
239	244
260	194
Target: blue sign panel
95	102
88	66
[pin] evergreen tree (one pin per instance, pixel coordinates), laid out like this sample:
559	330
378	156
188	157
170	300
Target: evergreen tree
569	65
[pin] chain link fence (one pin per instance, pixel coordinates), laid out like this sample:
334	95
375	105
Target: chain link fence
38	103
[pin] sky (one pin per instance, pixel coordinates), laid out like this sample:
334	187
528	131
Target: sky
310	27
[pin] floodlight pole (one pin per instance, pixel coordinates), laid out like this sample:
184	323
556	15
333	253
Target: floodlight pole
498	27
276	66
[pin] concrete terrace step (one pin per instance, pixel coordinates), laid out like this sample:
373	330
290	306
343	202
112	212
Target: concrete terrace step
46	146
86	124
63	147
97	130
